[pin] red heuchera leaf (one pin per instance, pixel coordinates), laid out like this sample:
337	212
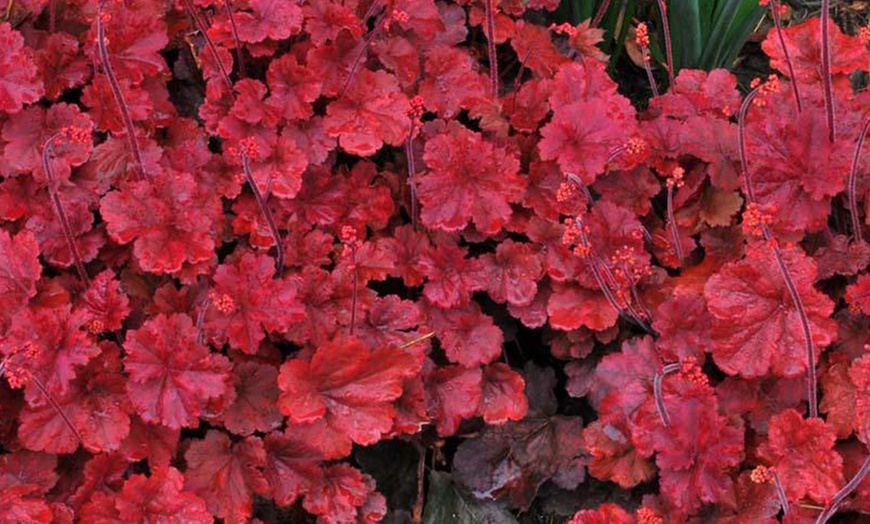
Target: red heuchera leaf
755	502
794	145
682	322
838	397
512	273
248	302
136	38
453	394
19	79
451	82
607	513
613	457
153	442
28	131
802	44
467	336
292	466
270	19
95	404
469	179
372	111
859	373
571	306
105	304
254	407
352	386
61	65
344	494
451	278
158	498
19	258
23	504
58	344
503	398
858	294
627	377
801	451
756	329
168	220
225	474
292	87
699	448
172	376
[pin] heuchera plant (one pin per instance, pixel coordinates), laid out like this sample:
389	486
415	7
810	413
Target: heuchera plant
242	240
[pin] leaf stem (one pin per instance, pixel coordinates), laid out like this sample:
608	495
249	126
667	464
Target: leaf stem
812	393
267	214
672	225
657	392
138	166
853	183
599	15
777	21
826	69
61	214
188	5
669	52
845	492
239	56
493	57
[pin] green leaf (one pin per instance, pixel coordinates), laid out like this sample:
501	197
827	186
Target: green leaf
446	505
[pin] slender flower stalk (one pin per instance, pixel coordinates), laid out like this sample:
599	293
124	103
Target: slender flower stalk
827	81
657	392
599	15
103	52
853	183
238	43
812	388
776	12
847	490
669	52
248	148
200	25
765	475
674	181
642	40
493	57
17	376
47	151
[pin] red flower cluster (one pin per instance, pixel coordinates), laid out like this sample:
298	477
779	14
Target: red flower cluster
241	240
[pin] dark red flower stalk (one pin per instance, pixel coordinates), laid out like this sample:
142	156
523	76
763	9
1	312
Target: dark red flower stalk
642	40
366	43
47	150
239	55
853	183
657	392
669	53
249	148
493	58
847	490
765	475
812	393
599	16
675	180
17	375
776	12
827	81
138	166
52	15
200	25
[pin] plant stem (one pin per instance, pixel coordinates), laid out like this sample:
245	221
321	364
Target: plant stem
777	21
200	25
493	58
826	69
657	392
138	166
61	214
845	492
668	48
412	169
672	225
599	15
649	73
239	56
853	184
264	210
812	393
